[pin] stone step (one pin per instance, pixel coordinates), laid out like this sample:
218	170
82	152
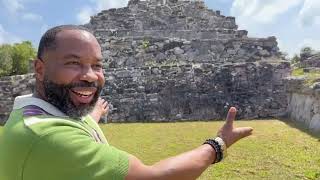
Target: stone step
183	34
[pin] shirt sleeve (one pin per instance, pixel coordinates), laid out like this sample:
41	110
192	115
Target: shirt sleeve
71	154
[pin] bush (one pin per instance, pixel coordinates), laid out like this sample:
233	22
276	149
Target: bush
5	60
15	59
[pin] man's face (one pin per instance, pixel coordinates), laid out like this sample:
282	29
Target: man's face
73	74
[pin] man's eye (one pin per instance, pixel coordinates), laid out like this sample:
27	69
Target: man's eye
72	63
97	66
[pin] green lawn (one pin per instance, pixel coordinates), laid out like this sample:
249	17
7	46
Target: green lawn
274	151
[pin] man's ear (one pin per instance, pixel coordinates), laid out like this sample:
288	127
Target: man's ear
39	69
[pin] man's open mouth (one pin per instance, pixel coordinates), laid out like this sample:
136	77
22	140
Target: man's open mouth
82	95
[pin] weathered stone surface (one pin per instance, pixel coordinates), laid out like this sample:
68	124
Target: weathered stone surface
304	103
10	87
199	92
311	59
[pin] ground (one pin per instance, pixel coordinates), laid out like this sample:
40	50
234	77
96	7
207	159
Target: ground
276	150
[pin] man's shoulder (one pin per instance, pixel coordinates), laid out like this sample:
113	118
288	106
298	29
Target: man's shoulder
42	125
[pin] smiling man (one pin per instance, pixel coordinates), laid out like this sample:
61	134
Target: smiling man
50	136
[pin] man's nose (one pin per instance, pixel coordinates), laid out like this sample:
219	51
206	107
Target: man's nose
88	74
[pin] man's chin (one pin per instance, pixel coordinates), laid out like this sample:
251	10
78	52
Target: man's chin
78	109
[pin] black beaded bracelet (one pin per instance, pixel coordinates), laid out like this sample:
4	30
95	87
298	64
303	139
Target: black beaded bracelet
215	145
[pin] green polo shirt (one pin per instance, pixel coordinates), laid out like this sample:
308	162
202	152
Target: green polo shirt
41	143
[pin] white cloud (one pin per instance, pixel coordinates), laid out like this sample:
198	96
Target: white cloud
6	37
310	13
84	15
31	17
13	6
261	11
17	9
107	4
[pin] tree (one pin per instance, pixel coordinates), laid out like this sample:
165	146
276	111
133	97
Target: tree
15	59
21	56
5	60
295	59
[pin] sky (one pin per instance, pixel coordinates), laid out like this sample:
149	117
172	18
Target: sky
295	23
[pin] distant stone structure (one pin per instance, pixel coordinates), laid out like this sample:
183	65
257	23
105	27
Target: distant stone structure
303	97
178	60
304	103
310	60
172	60
10	87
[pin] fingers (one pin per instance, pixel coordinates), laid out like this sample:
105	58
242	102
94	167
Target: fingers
231	116
105	104
243	132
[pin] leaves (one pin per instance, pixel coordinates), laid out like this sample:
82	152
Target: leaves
15	59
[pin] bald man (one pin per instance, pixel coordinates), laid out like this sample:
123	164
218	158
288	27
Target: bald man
51	136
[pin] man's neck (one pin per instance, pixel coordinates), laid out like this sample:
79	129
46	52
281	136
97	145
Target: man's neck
39	94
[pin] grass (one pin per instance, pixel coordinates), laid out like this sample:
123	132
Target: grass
311	77
275	150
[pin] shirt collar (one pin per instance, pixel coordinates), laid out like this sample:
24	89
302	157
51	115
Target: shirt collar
27	100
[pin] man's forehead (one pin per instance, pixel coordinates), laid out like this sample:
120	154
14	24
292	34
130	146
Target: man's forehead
74	43
75	34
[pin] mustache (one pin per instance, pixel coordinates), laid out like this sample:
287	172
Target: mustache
82	84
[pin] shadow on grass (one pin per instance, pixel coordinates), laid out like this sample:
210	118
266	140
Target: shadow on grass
302	127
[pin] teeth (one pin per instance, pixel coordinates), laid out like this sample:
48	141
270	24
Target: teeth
84	93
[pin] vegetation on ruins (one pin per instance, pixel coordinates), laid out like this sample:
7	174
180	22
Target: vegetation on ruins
15	59
303	70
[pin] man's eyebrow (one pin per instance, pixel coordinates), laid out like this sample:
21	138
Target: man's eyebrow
71	56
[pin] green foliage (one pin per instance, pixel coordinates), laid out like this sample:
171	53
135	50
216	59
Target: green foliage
297	72
145	44
295	59
5	60
310	77
21	56
15	58
276	150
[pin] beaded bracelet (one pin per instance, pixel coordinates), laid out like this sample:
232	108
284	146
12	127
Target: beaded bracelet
216	146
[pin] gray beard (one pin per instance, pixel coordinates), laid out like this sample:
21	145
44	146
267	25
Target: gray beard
59	96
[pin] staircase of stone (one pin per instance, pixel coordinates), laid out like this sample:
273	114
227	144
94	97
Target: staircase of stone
217	33
143	16
139	51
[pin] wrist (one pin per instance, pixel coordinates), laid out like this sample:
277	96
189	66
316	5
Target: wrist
219	146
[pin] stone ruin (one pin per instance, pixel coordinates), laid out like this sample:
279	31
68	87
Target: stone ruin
178	60
172	60
310	60
304	92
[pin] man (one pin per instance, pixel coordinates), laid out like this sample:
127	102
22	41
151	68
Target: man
49	135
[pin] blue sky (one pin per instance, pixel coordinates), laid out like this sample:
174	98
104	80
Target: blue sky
295	23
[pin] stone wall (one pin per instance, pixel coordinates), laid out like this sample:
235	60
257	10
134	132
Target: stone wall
196	92
304	103
10	87
311	60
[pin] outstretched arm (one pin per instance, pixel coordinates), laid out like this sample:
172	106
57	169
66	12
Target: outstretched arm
189	165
